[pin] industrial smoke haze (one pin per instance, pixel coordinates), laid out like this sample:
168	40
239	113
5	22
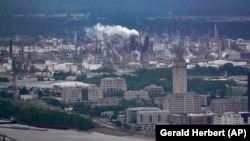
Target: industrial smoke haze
100	30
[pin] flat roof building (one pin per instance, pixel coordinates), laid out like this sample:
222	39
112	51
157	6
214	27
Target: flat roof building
131	113
113	84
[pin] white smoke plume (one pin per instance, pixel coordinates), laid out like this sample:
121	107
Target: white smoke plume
99	30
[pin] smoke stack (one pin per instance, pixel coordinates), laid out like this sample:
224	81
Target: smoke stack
215	31
22	52
10	49
248	91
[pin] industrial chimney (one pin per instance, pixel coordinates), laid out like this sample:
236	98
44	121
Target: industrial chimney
248	91
10	49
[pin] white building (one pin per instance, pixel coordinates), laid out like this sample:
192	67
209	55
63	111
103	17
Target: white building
131	113
232	118
152	117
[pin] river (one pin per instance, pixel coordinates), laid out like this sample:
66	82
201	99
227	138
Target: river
65	135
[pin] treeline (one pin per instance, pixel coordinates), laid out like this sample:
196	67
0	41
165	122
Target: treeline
50	118
95	111
229	69
163	77
43	117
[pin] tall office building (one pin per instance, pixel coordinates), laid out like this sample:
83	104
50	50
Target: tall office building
181	101
179	71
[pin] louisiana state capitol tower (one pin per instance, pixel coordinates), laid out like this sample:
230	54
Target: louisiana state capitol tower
179	71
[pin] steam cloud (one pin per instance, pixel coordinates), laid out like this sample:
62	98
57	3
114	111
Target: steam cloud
99	30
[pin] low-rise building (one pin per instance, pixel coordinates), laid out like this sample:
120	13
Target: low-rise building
91	94
153	89
159	101
232	118
236	104
152	117
183	103
191	119
71	94
131	113
136	95
113	84
108	101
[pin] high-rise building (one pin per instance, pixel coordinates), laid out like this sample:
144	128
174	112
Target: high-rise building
181	101
179	71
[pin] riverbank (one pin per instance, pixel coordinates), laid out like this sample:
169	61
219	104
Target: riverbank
65	135
120	132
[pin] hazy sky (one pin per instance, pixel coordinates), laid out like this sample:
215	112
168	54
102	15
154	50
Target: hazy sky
154	7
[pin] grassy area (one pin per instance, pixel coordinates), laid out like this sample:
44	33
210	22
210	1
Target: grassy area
237	93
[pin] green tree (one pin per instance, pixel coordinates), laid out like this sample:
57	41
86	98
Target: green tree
23	91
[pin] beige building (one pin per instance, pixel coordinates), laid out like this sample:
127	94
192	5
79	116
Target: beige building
152	117
71	94
81	94
108	101
159	101
183	103
179	71
113	84
91	93
154	89
136	95
236	104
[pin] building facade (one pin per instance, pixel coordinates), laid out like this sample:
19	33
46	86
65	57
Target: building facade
131	113
71	94
113	84
91	93
152	117
191	119
238	104
179	71
136	95
183	103
232	118
153	89
108	101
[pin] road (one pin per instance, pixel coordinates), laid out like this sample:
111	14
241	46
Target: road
104	122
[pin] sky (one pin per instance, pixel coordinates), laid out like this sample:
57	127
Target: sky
130	7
